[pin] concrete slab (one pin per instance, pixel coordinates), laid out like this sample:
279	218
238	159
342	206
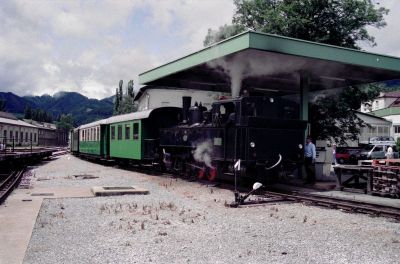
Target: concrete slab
18	216
117	190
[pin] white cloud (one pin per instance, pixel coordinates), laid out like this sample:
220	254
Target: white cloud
49	46
88	46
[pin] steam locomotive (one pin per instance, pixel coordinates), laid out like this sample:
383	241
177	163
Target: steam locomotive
262	134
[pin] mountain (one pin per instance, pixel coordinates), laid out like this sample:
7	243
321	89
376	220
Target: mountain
14	103
83	109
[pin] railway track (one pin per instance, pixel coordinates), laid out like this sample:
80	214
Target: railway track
351	206
9	183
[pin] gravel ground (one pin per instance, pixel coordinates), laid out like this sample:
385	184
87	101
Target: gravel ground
187	222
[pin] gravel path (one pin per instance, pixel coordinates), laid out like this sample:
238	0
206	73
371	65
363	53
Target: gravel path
187	222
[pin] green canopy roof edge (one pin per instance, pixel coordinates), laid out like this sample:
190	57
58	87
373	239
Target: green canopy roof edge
304	48
274	43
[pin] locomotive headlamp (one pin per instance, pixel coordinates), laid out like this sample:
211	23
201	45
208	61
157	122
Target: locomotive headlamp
271	100
252	144
300	146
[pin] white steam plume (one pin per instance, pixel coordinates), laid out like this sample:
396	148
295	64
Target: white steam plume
253	63
203	152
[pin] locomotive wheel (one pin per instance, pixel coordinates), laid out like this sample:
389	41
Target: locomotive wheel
201	174
212	175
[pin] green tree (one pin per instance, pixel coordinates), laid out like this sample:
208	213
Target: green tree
336	22
3	103
116	103
124	104
28	112
66	122
334	117
121	94
130	89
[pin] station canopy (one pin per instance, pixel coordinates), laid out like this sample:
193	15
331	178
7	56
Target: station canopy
261	62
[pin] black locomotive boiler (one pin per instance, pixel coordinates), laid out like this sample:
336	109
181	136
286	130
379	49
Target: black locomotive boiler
264	133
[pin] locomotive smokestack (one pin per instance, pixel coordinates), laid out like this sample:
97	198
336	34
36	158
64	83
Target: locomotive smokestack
186	102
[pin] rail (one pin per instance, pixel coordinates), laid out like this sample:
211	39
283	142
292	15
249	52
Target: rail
7	186
330	202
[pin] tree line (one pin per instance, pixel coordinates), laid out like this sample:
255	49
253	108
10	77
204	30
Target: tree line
39	115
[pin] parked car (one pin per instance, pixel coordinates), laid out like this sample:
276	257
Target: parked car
347	155
377	151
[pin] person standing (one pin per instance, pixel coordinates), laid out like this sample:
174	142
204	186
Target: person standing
309	160
389	153
334	154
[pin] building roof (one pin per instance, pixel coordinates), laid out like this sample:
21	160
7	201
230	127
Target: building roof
41	125
265	61
368	117
394	94
7	115
16	122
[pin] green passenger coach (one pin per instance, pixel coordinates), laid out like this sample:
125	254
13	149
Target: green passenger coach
134	136
93	139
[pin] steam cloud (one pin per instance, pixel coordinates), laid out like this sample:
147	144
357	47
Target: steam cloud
203	152
255	64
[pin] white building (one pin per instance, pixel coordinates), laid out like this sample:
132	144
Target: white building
387	106
16	132
150	97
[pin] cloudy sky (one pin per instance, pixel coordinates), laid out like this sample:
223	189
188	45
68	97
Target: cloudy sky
88	46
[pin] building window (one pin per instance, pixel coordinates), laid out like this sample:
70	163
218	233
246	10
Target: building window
397	129
26	136
135	130
11	135
31	136
127	132
5	133
113	132
16	136
22	136
119	132
34	137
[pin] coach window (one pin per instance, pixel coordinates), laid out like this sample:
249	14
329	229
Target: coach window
98	134
119	132
113	132
127	132
135	130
